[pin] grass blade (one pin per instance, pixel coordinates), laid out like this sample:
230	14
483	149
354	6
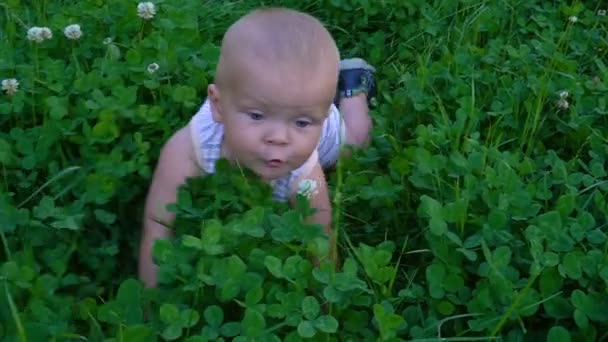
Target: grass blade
15	314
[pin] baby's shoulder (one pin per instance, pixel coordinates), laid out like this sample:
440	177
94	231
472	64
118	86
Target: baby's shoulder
206	138
177	154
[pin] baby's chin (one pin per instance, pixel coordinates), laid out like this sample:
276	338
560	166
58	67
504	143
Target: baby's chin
270	173
271	177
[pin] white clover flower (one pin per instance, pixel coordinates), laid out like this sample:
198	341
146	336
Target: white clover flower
73	32
39	34
152	68
601	13
34	35
307	188
46	33
573	19
10	85
146	10
563	104
108	41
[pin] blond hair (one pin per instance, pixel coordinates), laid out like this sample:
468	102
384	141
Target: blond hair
280	39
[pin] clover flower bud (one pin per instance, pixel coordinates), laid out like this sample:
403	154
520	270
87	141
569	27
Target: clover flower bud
10	86
152	68
73	32
307	188
146	10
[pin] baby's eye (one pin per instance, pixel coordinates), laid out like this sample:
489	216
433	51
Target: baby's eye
302	123
255	116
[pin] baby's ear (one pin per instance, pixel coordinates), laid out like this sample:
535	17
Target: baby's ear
213	94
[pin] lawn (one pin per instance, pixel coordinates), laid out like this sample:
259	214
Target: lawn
478	212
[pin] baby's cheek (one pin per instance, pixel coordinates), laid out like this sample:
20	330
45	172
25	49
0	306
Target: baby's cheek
311	146
316	135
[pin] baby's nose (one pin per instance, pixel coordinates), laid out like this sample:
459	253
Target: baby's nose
277	135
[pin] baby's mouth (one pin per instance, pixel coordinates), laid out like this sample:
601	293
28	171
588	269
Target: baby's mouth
275	163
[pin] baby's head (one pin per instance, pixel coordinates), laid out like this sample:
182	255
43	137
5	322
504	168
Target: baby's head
275	82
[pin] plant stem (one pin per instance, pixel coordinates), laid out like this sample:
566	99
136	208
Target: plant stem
78	71
141	31
7	251
4	177
36	76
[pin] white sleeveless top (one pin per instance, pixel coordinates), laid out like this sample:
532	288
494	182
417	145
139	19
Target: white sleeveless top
207	136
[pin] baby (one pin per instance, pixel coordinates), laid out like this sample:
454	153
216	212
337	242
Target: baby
271	110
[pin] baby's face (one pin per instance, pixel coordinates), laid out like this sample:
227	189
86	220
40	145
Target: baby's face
273	123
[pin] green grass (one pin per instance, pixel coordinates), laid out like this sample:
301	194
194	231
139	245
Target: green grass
477	213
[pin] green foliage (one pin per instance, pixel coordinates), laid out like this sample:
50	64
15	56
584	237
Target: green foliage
250	272
477	213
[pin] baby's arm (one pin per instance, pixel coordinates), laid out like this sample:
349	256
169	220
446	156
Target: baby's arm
175	164
320	201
